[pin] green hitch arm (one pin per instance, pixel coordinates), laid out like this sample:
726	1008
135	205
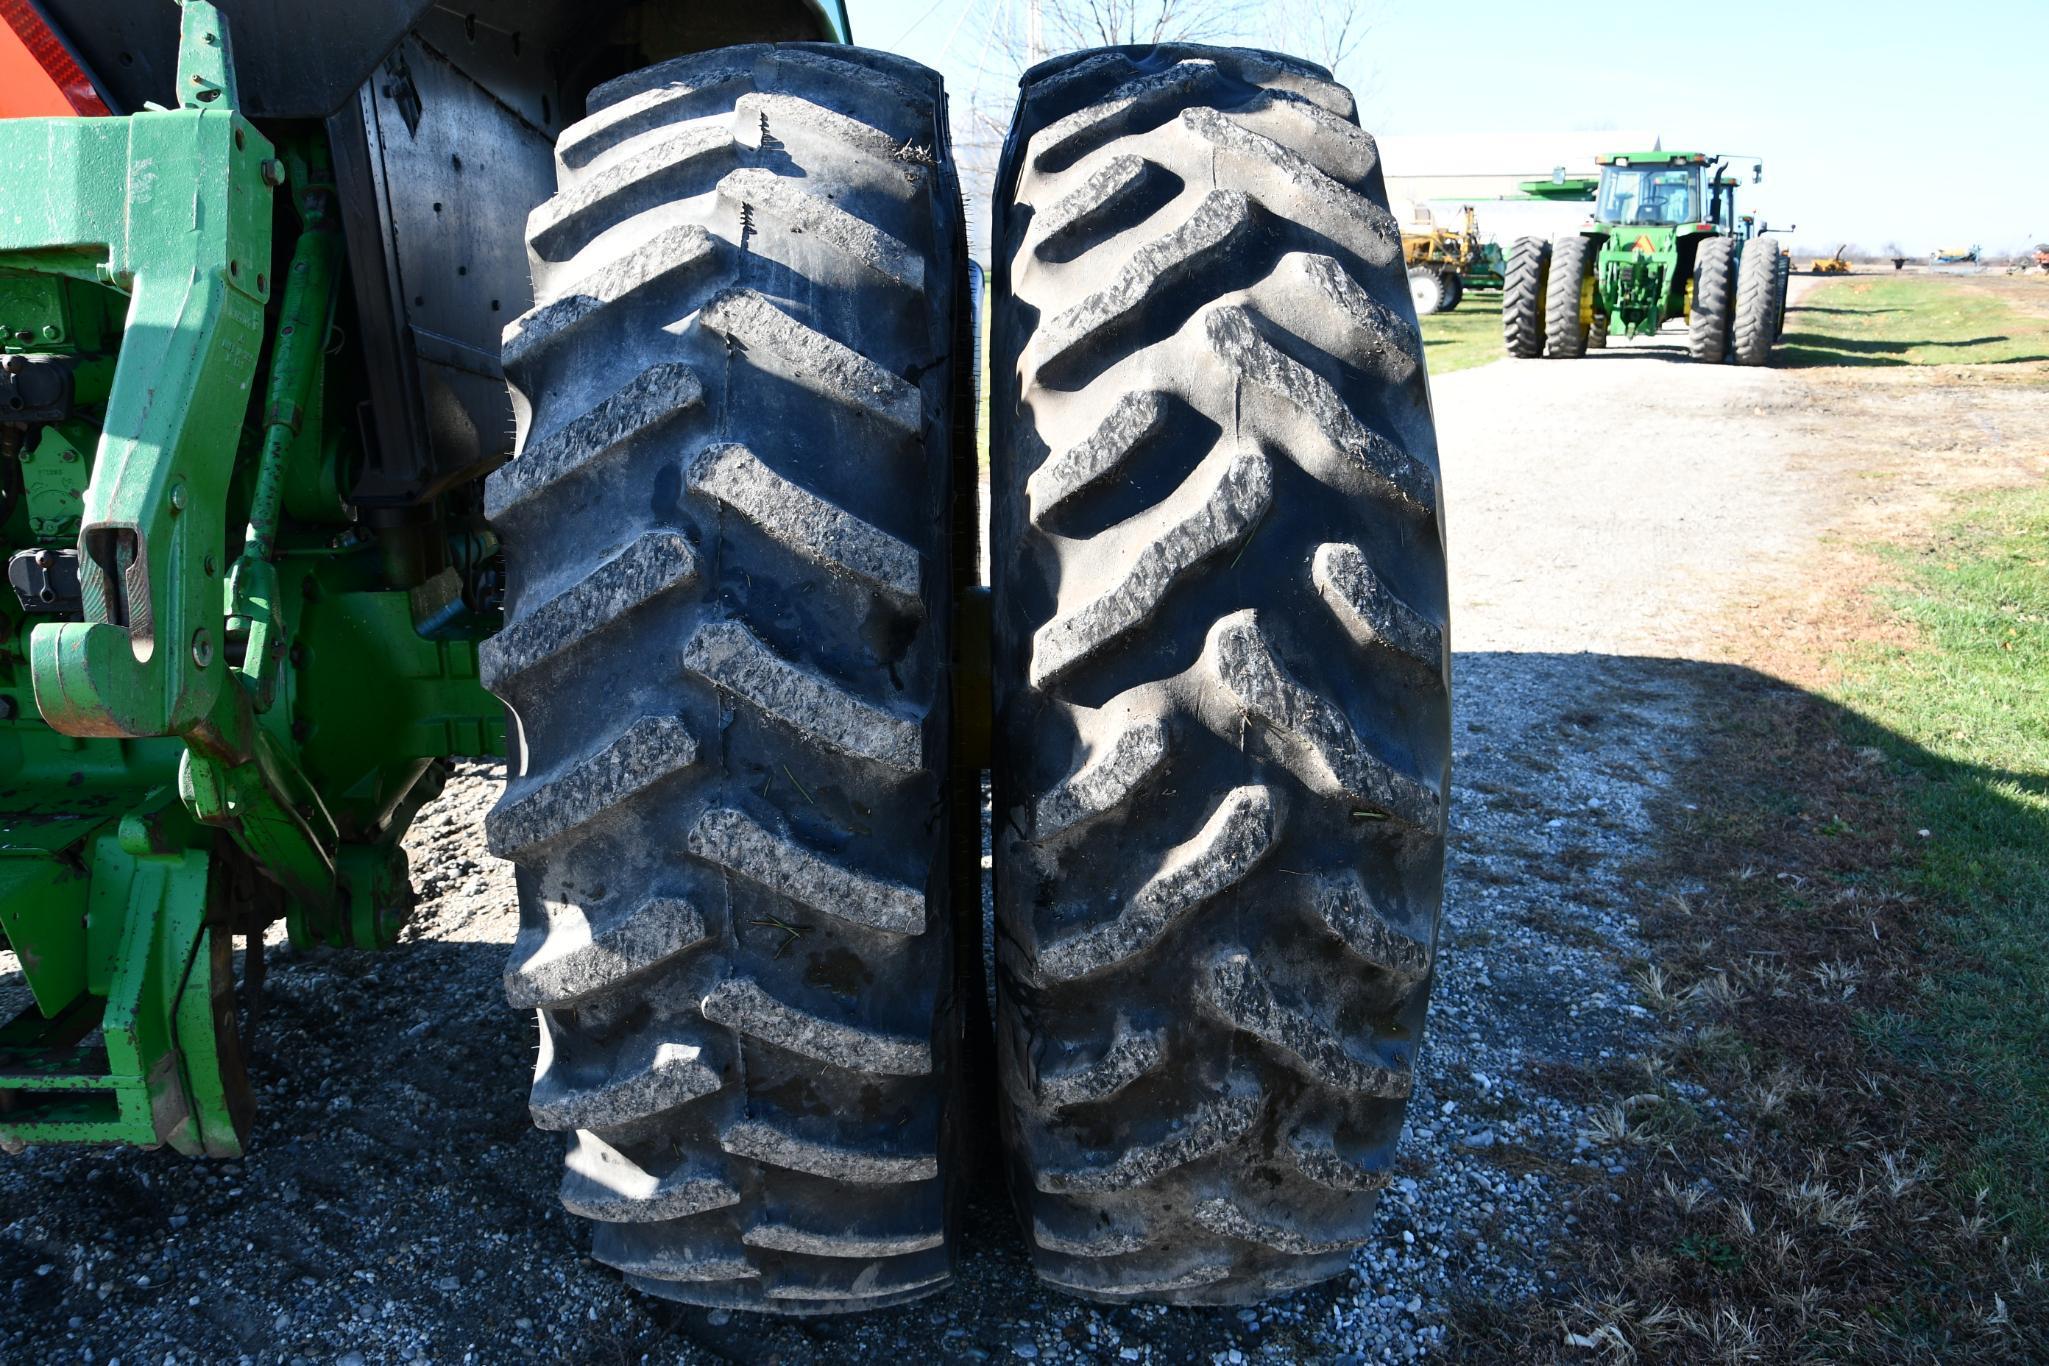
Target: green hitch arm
171	208
301	340
305	316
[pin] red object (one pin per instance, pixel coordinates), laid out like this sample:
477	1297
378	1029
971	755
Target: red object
38	77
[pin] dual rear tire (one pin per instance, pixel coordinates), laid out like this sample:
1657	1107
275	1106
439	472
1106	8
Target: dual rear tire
730	530
1525	297
736	530
1569	316
1221	675
1714	297
1759	303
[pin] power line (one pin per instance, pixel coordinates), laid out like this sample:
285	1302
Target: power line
915	23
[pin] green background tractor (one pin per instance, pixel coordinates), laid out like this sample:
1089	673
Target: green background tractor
1664	243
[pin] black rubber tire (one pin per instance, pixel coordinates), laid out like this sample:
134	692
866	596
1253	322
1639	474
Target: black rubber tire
1757	302
1714	298
726	649
1565	334
1454	291
1427	291
1222	682
1597	335
1522	297
1785	273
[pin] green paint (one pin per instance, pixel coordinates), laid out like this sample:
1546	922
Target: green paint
1652	211
252	680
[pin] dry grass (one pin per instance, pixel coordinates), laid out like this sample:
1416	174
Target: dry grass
1793	1188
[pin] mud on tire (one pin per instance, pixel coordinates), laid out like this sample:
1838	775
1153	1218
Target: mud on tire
725	647
1222	708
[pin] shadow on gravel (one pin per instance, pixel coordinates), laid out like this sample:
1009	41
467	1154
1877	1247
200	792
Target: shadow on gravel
1805	974
397	1202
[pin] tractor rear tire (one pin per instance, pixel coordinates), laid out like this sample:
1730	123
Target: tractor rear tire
1757	298
1222	683
726	652
1714	297
1785	274
1565	324
1428	291
1522	297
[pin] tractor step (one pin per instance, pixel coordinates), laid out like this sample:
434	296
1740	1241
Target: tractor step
57	1084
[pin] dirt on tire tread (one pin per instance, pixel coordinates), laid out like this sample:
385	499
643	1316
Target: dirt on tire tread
729	535
1222	705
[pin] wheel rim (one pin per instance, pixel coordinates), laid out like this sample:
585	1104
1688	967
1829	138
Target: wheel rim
1424	291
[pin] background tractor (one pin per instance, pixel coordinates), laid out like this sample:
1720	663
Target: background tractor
1665	242
1444	264
1837	264
614	357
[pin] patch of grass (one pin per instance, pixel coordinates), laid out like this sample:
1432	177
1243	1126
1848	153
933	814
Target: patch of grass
1965	710
1794	1188
1840	1147
1911	320
1467	336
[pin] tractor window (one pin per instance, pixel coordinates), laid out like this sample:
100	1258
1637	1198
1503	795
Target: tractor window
1650	194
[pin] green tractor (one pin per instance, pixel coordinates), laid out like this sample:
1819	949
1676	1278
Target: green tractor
1665	242
362	365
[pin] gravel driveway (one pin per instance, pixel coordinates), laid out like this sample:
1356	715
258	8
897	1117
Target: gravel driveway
398	1205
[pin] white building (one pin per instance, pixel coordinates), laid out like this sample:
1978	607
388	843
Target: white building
1431	177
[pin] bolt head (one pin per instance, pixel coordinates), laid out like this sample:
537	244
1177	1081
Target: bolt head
202	648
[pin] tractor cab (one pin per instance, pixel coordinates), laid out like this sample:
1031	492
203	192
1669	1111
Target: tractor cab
1652	188
1722	208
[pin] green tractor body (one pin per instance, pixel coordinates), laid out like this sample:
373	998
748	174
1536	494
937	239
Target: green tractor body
1651	214
240	506
1664	243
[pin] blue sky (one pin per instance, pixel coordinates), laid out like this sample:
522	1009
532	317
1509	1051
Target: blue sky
1921	124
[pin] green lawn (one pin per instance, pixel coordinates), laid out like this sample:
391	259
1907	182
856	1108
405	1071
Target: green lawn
1965	709
1917	320
1469	335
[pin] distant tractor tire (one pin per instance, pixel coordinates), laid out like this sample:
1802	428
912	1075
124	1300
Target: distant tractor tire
1597	335
1757	302
726	650
1785	274
1566	320
1522	297
1455	289
1428	291
1714	298
1222	684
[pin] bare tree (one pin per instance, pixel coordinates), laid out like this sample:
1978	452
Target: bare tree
1328	32
1069	24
